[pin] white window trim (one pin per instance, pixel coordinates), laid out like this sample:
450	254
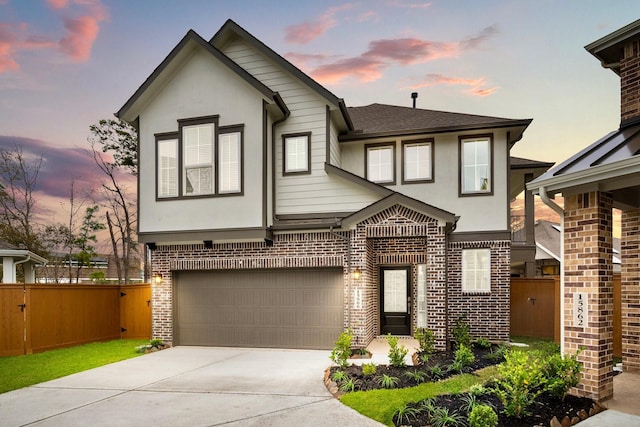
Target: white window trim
370	165
476	278
406	158
302	158
162	178
229	169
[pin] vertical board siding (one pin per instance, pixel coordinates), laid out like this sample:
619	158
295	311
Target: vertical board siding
65	315
308	114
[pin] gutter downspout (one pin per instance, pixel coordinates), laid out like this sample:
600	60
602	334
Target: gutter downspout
542	191
27	259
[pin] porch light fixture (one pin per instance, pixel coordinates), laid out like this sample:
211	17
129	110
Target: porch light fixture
357	273
157	278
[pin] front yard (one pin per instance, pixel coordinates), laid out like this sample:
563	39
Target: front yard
22	371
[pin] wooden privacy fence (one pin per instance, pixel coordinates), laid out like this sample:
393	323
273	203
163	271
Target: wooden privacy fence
535	309
35	318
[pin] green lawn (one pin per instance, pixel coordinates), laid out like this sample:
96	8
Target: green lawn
22	371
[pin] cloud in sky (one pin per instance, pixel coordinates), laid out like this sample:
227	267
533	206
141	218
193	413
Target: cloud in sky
309	30
81	20
476	86
59	165
401	4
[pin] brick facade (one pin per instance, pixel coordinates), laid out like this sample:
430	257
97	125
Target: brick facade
397	236
588	270
630	81
630	253
487	313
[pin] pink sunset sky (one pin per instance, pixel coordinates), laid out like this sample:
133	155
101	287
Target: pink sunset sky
65	64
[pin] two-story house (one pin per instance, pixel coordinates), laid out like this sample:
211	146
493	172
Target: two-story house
276	216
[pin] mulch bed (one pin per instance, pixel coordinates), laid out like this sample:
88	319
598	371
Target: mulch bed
543	411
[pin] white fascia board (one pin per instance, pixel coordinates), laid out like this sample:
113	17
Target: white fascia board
591	175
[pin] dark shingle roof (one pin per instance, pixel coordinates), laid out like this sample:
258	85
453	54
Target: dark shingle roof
390	119
521	163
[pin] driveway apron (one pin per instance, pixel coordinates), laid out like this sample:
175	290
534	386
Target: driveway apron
188	386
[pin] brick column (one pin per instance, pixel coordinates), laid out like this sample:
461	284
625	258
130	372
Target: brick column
630	251
162	297
589	274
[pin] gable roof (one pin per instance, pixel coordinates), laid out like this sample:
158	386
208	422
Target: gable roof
398	199
522	163
130	110
231	28
376	120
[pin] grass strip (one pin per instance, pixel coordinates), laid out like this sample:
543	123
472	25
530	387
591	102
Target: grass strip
380	405
22	371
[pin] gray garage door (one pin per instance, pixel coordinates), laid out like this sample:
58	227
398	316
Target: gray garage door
273	308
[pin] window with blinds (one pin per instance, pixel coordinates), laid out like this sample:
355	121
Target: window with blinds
380	164
229	153
167	168
198	160
476	270
296	154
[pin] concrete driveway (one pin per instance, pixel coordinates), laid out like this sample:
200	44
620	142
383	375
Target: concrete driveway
188	386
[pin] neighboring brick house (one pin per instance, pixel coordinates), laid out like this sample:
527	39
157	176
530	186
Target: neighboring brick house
57	270
278	217
603	176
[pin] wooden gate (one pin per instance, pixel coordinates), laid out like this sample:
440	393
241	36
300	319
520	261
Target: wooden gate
12	320
535	307
135	311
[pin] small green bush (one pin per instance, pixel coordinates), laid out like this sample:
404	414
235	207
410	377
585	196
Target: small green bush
483	343
396	353
405	413
461	332
342	349
561	373
349	384
369	369
520	381
416	375
463	359
426	340
483	416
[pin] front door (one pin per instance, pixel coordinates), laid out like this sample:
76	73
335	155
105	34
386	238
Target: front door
395	302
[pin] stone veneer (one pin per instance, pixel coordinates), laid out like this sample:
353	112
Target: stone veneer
396	236
630	283
588	270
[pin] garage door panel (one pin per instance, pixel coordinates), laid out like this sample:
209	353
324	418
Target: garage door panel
272	308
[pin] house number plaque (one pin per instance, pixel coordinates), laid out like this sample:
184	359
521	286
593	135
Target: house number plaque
580	310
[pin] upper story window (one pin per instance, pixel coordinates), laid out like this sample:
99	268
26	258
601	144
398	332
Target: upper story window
417	161
201	159
198	158
380	163
167	165
475	165
229	161
297	154
476	270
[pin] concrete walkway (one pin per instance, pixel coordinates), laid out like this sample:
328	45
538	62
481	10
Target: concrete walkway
188	386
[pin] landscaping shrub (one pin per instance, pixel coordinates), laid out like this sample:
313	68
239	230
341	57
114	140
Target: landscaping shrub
342	349
483	416
369	369
426	340
461	332
463	359
520	381
561	373
396	353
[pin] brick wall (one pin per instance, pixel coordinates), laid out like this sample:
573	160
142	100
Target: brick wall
396	236
487	313
630	81
630	283
589	271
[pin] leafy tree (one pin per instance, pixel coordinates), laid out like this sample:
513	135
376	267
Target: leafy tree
18	213
114	148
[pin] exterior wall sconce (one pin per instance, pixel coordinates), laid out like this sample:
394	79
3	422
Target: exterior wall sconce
157	278
357	273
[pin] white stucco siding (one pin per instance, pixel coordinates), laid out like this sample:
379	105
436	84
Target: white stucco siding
310	193
477	213
203	87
